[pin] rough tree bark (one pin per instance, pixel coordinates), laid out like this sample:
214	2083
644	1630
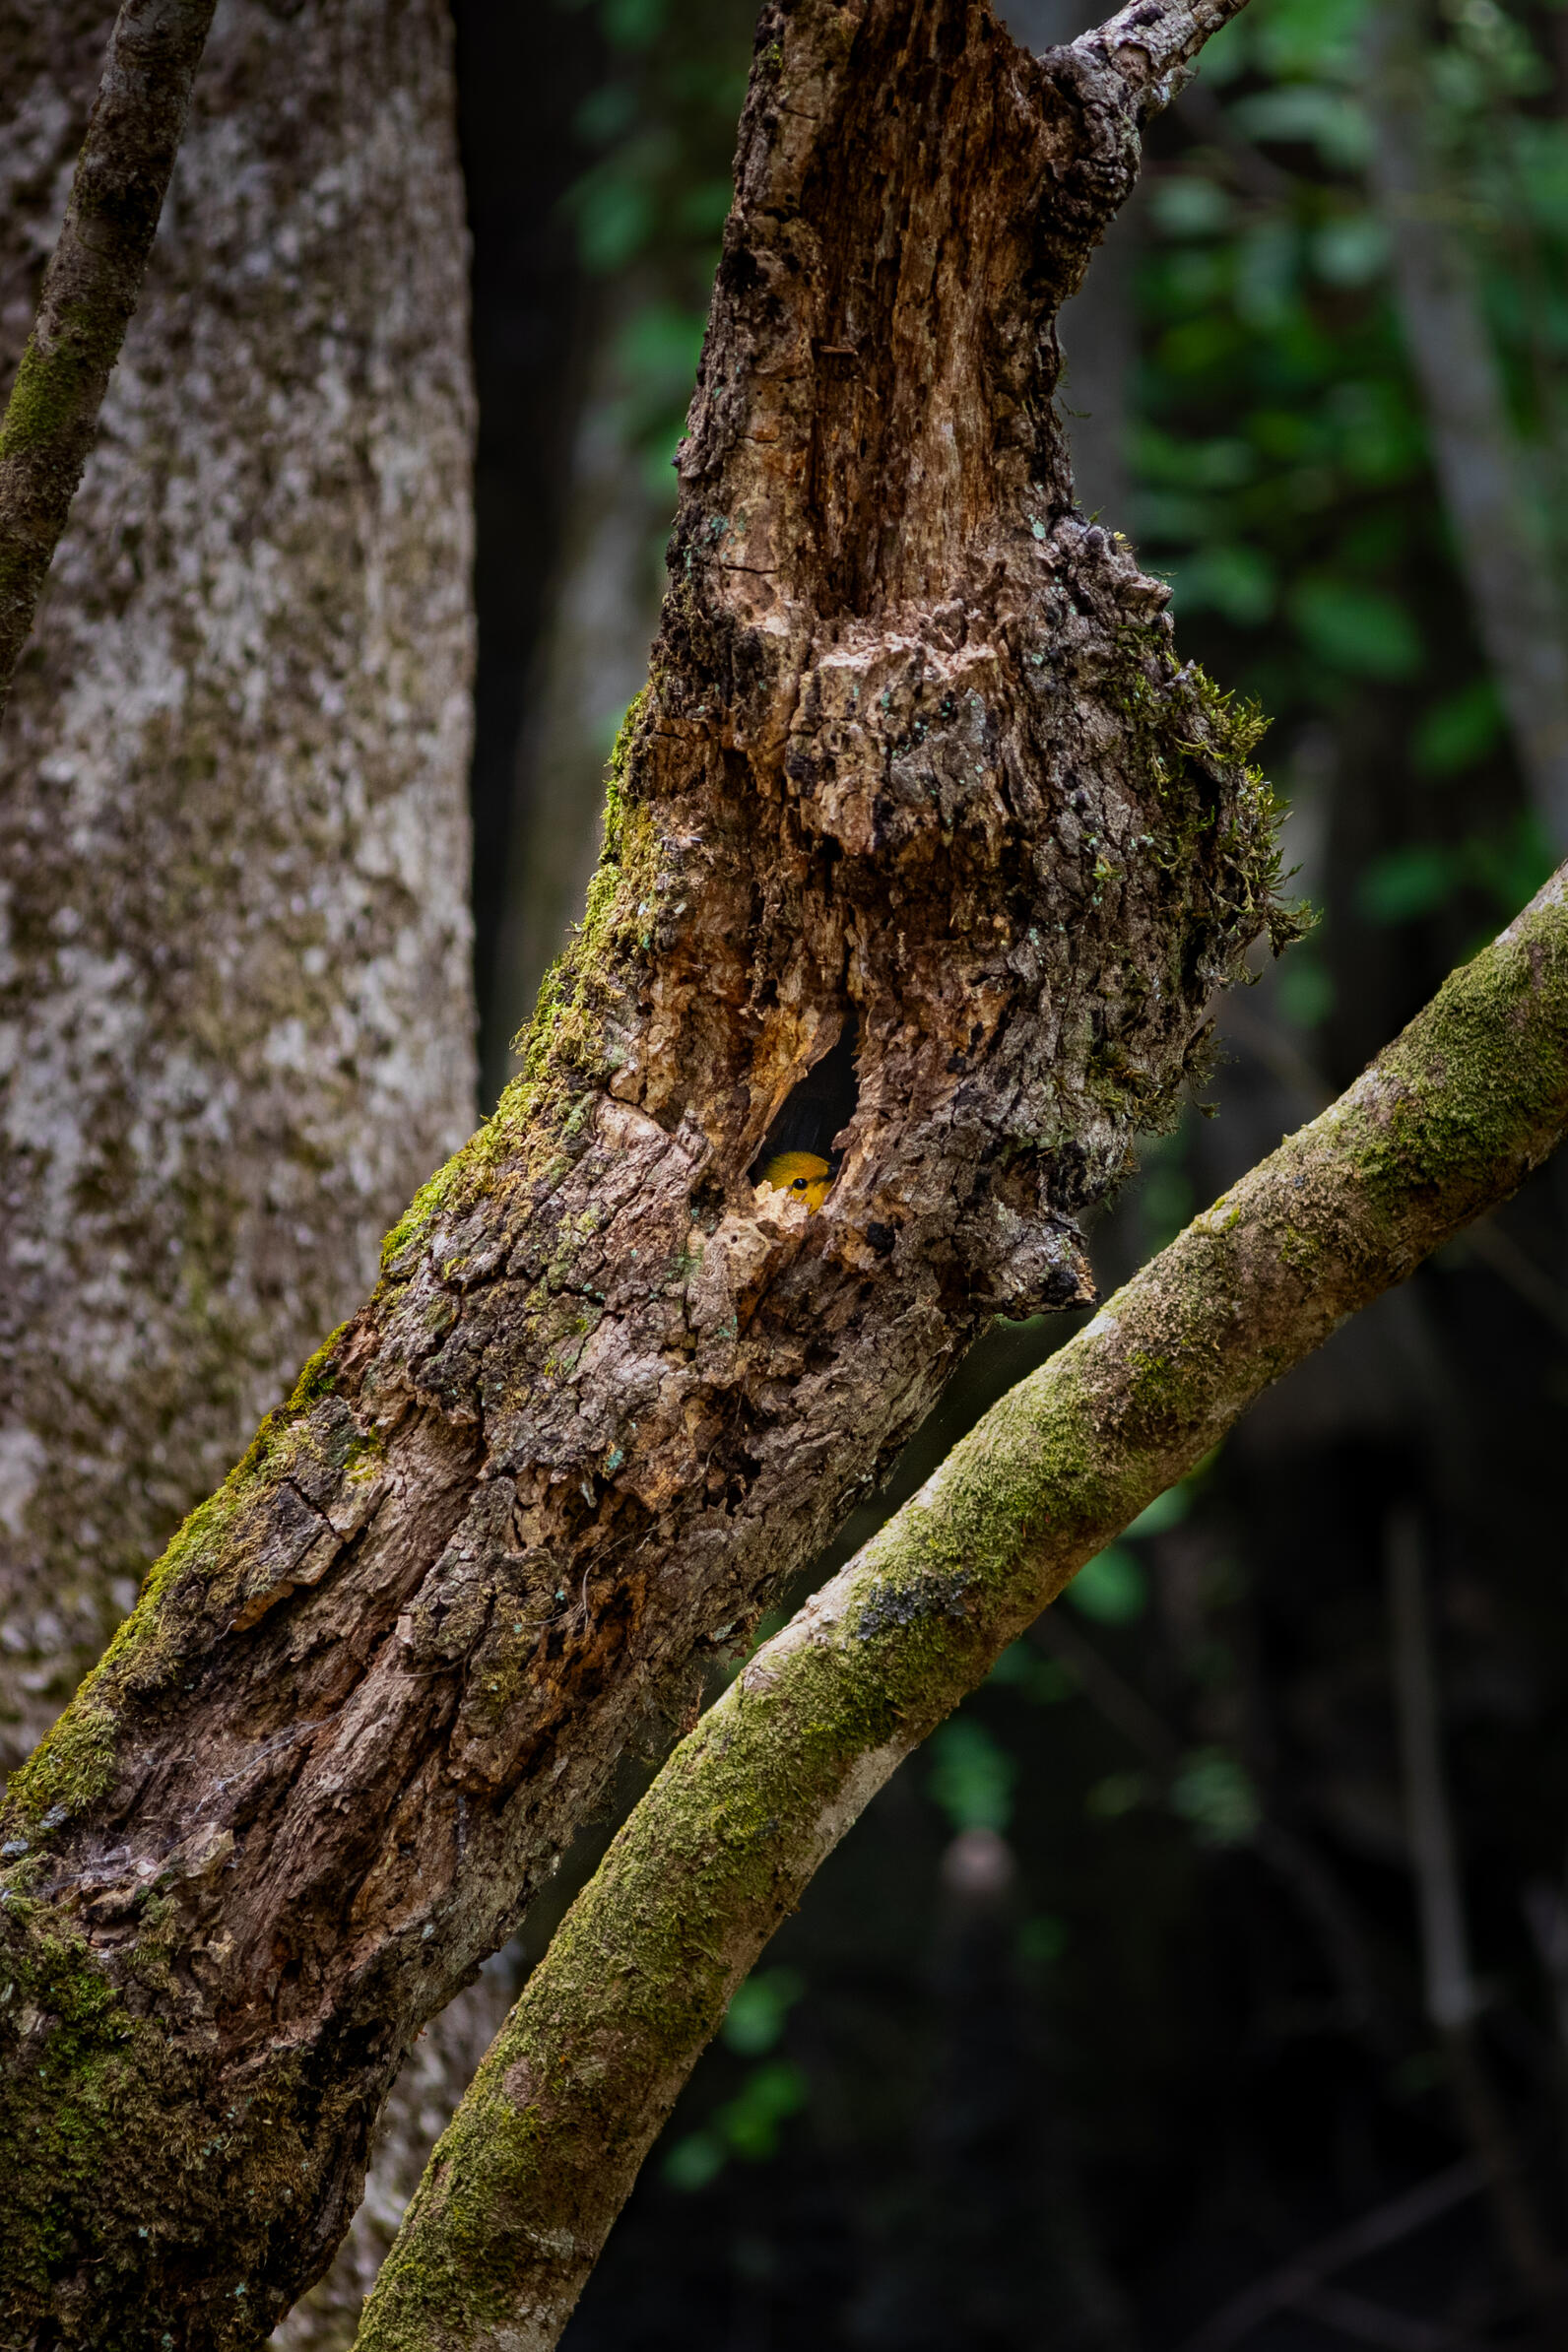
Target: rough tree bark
236	1021
524	2187
916	752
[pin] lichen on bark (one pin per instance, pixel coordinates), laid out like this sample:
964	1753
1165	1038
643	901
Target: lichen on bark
235	1015
917	754
523	2187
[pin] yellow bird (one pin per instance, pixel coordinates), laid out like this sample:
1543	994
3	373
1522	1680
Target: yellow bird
801	1173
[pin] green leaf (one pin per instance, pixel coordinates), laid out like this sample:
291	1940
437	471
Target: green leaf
1406	884
1184	204
1311	37
693	2161
1213	1792
1021	1668
1042	1939
1462	728
750	2121
971	1777
1167	1510
1351	250
1268	267
615	219
1112	1588
632	23
757	2015
1364	631
1304	990
1308	115
1236	581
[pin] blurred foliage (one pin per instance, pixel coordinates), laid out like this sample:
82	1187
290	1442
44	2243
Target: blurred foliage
650	208
1283	480
748	2124
972	1775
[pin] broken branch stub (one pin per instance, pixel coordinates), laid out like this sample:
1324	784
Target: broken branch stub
916	753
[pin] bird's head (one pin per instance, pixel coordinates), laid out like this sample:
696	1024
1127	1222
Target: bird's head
801	1175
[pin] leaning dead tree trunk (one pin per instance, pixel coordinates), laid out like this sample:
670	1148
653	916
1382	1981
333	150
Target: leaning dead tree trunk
919	792
235	1020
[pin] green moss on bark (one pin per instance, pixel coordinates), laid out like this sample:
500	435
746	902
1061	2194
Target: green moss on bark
527	2180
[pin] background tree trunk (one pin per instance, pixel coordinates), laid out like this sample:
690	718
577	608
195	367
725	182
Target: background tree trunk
1501	543
593	658
918	767
236	1021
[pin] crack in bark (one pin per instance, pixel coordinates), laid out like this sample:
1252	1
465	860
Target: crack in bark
916	744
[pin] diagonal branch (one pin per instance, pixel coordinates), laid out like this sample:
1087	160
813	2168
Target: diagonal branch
923	840
1303	2274
523	2187
1152	44
90	288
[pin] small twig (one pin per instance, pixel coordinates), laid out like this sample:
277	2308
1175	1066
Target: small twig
1374	2324
1121	1705
90	290
1277	1847
1452	2001
1152	44
1305	2272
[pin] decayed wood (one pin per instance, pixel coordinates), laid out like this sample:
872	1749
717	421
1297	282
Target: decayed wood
916	754
90	292
524	2186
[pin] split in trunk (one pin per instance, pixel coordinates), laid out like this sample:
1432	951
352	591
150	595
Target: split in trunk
916	752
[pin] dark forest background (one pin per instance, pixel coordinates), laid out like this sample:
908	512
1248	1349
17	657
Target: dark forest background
1205	1981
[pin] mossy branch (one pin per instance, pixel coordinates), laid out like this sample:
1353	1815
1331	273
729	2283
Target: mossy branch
524	2186
90	290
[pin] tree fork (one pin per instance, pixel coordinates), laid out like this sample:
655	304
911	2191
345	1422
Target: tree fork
917	765
522	2189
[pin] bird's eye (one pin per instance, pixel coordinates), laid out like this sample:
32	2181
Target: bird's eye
799	1186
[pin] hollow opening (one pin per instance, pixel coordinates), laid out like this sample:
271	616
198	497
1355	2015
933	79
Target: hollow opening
817	1107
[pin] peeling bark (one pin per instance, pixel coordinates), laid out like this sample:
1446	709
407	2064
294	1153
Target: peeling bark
523	2187
917	768
235	1018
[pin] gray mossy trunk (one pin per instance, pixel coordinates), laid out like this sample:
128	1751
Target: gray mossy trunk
916	753
236	1023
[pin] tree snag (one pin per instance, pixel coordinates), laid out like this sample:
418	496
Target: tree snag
917	777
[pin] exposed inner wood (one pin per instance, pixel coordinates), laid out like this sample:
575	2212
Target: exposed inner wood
916	748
